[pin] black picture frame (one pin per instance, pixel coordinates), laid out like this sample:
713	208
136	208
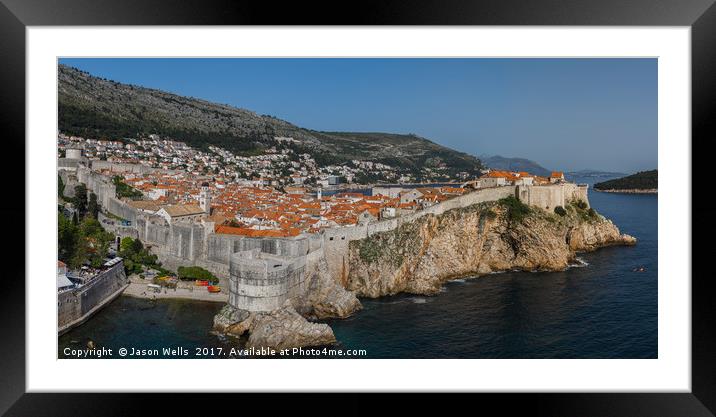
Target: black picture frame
700	15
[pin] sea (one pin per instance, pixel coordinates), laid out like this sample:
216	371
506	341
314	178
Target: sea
604	307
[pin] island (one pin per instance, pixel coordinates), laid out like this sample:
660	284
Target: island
644	182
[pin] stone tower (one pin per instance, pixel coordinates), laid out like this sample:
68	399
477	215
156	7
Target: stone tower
205	198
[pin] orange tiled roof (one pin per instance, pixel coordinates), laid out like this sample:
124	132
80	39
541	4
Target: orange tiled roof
501	174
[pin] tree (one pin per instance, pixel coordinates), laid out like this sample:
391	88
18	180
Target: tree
66	237
94	243
80	255
86	242
123	189
125	246
93	206
136	256
60	187
516	209
137	246
80	199
196	272
92	228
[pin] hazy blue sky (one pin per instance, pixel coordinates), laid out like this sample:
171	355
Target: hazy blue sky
566	114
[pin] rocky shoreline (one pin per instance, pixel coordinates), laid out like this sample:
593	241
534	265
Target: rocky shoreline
631	191
420	256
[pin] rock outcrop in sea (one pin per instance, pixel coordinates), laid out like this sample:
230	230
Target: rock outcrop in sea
280	329
419	256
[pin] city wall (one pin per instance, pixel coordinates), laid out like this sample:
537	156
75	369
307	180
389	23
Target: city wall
551	196
77	305
233	258
336	240
69	179
111	225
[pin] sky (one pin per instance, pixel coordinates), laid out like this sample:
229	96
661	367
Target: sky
565	114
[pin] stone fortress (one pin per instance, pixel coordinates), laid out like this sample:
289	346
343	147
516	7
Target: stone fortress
76	305
261	274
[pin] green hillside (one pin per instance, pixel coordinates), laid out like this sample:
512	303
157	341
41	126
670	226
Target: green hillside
645	180
94	107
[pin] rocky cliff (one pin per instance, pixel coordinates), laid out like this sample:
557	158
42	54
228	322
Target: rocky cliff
418	257
325	297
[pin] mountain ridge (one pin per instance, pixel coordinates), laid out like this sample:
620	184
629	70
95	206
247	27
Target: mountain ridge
95	107
514	164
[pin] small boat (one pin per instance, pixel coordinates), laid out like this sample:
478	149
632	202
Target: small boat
201	283
213	288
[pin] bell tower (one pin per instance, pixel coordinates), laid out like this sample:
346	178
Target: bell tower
205	198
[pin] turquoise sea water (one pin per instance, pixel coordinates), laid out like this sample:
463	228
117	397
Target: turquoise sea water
600	310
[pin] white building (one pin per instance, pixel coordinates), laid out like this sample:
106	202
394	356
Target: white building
205	198
182	212
556	176
410	196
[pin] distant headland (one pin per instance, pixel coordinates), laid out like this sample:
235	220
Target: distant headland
645	182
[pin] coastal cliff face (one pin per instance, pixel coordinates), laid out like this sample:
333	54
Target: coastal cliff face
418	257
325	297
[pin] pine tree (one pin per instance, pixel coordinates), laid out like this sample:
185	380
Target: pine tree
80	199
93	206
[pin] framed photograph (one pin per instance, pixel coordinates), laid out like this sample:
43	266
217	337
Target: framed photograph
441	199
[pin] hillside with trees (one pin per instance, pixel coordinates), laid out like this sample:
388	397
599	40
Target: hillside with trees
641	181
514	164
94	107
